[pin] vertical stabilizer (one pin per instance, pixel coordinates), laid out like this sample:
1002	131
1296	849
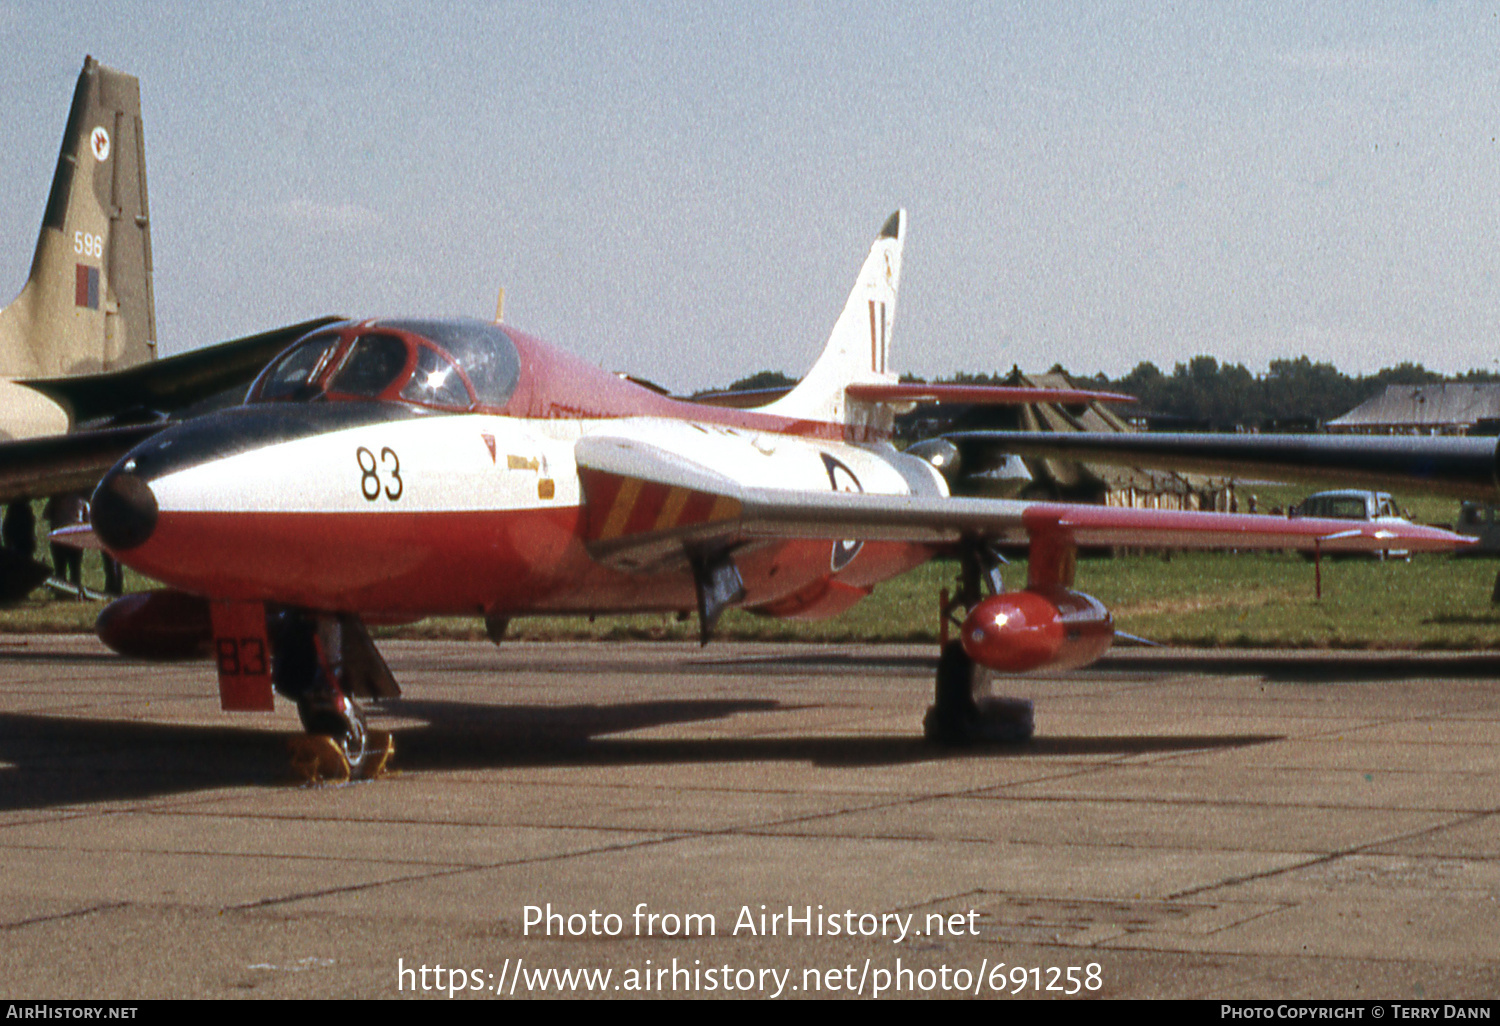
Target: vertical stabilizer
87	304
858	350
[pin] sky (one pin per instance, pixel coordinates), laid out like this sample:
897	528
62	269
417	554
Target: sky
686	191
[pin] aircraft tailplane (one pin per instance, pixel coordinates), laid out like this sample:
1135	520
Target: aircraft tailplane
859	347
87	305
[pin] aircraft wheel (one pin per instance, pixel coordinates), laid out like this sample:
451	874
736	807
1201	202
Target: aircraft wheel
338	745
963	713
953	700
337	734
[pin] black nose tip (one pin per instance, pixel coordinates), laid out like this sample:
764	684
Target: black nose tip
123	510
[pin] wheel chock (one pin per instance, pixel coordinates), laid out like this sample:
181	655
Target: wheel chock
379	747
318	759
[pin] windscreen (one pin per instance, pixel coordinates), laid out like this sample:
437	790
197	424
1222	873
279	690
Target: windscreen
436	382
290	376
484	351
373	364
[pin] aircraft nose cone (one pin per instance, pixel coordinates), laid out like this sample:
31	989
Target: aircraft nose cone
124	510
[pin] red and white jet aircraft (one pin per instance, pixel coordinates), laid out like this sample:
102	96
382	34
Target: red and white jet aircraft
384	470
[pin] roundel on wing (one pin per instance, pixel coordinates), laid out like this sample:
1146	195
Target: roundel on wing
842	479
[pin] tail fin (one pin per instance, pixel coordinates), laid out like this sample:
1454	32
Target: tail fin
87	305
859	347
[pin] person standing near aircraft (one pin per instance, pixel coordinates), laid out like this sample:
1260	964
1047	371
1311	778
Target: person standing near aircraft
19	530
62	511
114	576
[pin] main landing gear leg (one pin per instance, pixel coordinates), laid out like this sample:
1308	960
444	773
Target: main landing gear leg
963	711
308	668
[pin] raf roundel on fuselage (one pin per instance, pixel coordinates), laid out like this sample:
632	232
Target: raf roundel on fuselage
457	365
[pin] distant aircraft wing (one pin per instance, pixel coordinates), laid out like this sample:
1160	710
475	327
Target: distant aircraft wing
648	506
1465	468
53	465
174	382
978	395
38	467
913	392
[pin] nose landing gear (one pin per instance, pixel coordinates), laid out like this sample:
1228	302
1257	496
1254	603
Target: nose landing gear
339	745
310	668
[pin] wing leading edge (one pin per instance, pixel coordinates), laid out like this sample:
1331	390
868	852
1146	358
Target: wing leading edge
51	465
978	395
172	383
1464	468
648	505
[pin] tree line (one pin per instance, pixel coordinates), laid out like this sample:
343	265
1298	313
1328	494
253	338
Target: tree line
1203	394
1293	394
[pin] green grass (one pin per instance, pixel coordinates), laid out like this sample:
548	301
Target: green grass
1217	599
41	614
1206	599
1210	599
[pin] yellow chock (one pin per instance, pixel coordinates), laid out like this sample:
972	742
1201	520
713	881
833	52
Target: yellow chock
318	759
379	747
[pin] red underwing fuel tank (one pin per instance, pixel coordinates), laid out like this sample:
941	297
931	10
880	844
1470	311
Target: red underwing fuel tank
1049	628
157	625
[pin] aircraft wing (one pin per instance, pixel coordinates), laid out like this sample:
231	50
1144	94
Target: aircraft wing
905	393
978	395
1465	468
173	382
38	467
53	465
648	505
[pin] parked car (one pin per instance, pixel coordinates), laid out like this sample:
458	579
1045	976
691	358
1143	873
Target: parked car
1353	504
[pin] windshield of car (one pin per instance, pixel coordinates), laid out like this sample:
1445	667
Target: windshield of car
1339	507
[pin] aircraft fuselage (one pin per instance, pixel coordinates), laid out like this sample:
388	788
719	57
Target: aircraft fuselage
392	509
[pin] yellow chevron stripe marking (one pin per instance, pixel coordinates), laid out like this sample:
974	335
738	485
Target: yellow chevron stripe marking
724	508
671	510
619	513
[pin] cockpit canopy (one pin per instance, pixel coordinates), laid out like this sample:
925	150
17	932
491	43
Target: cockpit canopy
442	364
